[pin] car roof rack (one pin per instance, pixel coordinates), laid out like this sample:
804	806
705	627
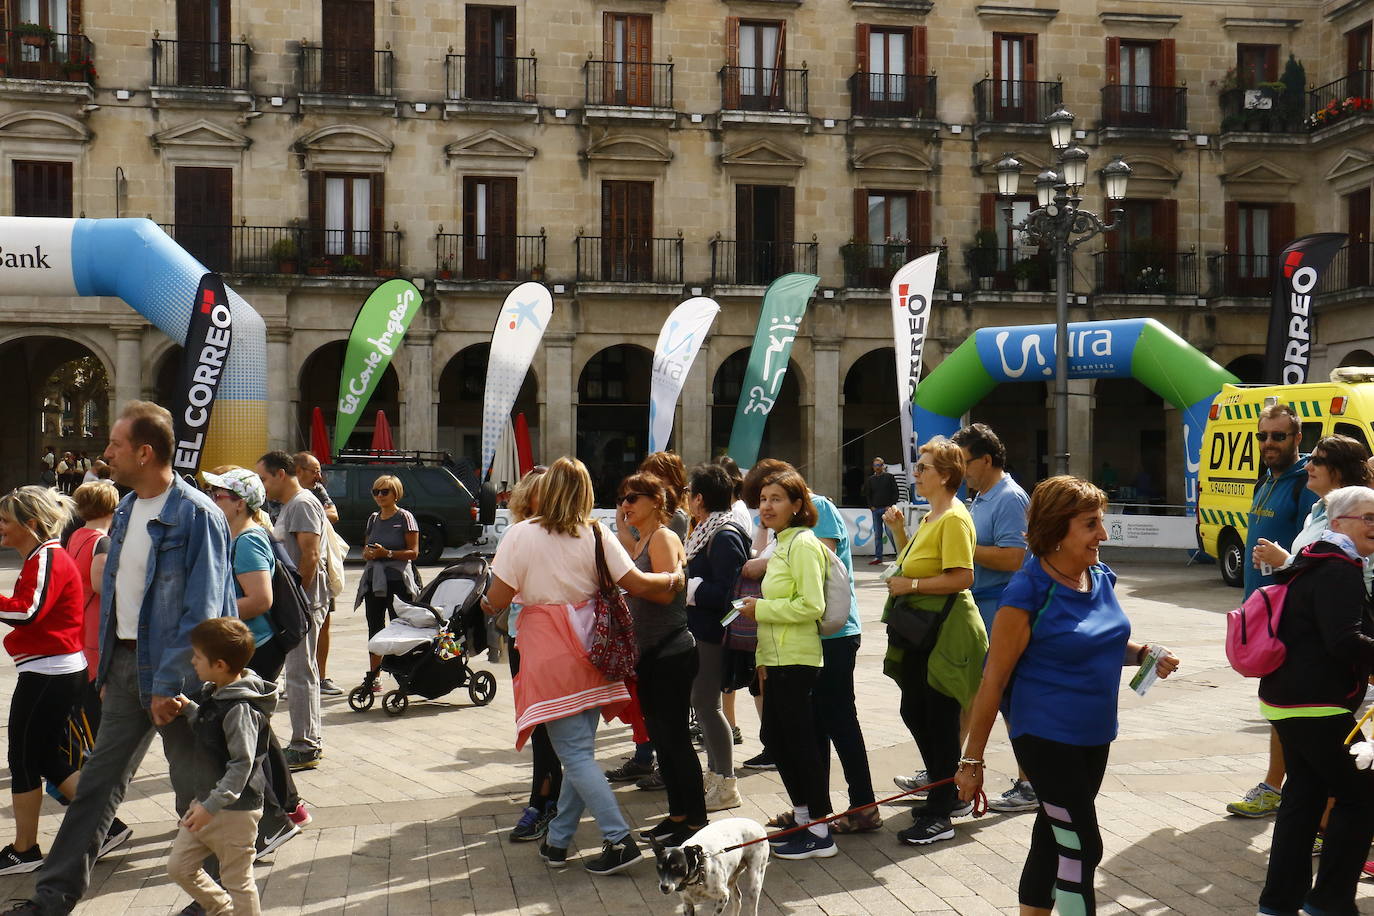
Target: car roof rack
392	456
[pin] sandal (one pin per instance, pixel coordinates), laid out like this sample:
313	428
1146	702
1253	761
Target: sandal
782	821
865	821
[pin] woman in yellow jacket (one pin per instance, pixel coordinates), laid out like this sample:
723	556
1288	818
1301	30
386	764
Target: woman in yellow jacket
789	657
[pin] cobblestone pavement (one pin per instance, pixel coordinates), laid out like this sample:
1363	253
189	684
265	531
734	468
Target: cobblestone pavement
411	813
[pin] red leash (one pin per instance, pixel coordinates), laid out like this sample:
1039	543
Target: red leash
980	807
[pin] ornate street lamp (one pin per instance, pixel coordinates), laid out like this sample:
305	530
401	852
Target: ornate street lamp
1062	225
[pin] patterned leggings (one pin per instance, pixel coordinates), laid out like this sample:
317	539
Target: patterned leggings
1066	845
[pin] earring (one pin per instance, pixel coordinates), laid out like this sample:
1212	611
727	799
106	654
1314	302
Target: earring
1058	547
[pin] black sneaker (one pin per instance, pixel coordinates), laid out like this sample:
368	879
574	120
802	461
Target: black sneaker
297	760
629	771
653	782
555	856
533	824
669	832
927	829
19	863
266	845
615	857
117	835
763	761
23	908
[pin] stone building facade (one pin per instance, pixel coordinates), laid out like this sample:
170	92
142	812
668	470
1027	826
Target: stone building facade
632	152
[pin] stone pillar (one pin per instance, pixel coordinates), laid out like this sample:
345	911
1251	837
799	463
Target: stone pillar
1081	404
417	411
1174	483
281	390
824	475
560	397
128	368
693	426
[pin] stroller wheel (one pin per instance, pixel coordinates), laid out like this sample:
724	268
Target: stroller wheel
482	687
360	699
395	702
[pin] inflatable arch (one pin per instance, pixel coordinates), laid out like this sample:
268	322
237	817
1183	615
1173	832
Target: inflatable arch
1139	347
136	261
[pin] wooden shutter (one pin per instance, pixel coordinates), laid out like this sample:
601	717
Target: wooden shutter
731	87
861	33
861	215
744	215
1281	227
377	221
315	207
1028	43
1232	227
639	51
608	23
987	212
501	246
1113	62
42	189
1164	74
780	58
1166	225
919	219
918	51
787	215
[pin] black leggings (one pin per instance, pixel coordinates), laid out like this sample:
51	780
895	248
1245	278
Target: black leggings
279	785
378	608
547	767
665	696
38	728
789	733
1066	844
933	720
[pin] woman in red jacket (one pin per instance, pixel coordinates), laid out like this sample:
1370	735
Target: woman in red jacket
46	645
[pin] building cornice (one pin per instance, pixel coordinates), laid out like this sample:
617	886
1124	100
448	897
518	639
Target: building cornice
1343	9
1155	20
1250	22
987	10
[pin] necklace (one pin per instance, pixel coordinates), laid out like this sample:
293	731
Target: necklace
1079	584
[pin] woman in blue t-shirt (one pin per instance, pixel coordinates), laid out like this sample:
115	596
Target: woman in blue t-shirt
1058	644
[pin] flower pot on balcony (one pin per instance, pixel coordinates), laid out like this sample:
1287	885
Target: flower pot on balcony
1022	284
286	267
445	274
985	283
318	269
384	271
34	41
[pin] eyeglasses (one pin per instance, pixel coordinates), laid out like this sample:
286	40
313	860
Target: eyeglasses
381	491
920	468
1367	518
1277	437
632	498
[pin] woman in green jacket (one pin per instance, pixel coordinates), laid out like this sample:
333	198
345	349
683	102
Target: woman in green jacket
789	657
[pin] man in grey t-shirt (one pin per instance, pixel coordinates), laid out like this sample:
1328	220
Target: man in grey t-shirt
300	529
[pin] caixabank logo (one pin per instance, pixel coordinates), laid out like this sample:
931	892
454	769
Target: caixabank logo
32	258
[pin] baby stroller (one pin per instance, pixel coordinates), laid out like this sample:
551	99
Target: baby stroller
427	646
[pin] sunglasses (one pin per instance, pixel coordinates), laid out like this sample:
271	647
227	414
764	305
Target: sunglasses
633	498
1277	437
919	468
381	491
1318	460
217	493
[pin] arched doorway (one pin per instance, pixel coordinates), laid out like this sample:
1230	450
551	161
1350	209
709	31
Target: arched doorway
462	387
1019	417
319	387
1248	368
782	434
613	415
1130	448
57	393
1357	358
165	376
870	423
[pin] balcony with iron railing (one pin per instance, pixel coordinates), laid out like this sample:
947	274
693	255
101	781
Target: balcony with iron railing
1241	276
871	265
633	261
1260	111
351	77
491	83
627	90
1144	108
1347	103
736	263
34	52
1015	102
290	250
1351	269
1026	270
1145	272
196	70
489	258
764	95
887	96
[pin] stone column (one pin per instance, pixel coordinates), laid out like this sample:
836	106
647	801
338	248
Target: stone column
692	435
1174	482
559	397
281	390
1081	409
417	413
824	475
128	367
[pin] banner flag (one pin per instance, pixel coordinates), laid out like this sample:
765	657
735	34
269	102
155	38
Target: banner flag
519	328
377	332
208	339
784	306
678	345
1292	333
912	287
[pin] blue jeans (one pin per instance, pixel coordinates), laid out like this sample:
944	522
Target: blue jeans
879	529
584	785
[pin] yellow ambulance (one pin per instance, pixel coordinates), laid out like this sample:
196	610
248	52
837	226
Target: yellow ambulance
1229	464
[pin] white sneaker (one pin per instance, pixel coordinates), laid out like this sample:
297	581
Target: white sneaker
724	795
709	781
913	782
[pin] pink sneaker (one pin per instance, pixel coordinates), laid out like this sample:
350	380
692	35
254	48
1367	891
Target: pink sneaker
299	815
1368	869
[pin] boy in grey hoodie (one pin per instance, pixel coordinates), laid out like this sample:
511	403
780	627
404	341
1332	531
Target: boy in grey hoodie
229	718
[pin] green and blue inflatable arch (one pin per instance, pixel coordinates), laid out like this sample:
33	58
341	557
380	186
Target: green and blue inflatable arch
1139	348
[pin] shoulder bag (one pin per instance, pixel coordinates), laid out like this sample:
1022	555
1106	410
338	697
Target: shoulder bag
613	650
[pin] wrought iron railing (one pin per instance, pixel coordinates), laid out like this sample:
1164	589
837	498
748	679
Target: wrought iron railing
759	263
1156	107
1350	95
616	259
36	53
871	265
489	257
200	64
892	95
347	71
1015	101
630	83
1145	272
1028	270
490	78
290	249
764	89
1351	268
1241	274
1262	111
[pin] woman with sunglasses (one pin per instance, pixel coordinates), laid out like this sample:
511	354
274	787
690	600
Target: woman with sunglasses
1335	462
391	542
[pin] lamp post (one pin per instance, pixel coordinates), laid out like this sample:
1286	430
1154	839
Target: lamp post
1060	223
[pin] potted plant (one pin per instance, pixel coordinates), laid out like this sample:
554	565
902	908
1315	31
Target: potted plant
35	35
984	257
1025	271
319	267
1292	104
283	251
854	254
537	272
446	268
350	264
896	252
382	270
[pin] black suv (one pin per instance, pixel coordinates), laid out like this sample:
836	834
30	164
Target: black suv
445	509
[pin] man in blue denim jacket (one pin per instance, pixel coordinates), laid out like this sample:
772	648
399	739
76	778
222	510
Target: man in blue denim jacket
168	569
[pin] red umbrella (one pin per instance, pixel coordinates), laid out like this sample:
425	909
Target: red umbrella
319	436
381	434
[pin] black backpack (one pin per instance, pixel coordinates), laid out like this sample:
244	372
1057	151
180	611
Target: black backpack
290	611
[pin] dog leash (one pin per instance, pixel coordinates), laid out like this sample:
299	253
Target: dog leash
980	807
